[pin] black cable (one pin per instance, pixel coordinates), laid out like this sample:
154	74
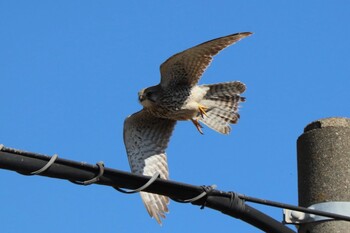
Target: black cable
227	203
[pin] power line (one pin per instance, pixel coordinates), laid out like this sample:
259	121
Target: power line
228	203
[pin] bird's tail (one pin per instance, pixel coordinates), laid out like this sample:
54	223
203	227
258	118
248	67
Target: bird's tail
221	101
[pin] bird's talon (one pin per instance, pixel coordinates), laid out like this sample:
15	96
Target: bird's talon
199	127
202	110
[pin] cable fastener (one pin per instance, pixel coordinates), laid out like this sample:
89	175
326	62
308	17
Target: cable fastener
41	170
101	167
336	207
143	187
206	191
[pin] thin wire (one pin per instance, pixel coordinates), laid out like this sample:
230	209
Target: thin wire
292	207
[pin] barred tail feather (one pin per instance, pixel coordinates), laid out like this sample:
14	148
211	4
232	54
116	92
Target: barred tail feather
222	102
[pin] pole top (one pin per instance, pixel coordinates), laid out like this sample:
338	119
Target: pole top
328	122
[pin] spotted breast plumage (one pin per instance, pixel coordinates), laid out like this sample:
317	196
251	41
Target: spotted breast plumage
178	98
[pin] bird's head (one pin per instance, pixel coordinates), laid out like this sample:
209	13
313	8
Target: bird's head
148	97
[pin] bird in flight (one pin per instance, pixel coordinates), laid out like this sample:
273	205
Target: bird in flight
178	98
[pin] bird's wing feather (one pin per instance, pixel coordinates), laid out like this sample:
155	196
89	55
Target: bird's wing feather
187	67
146	137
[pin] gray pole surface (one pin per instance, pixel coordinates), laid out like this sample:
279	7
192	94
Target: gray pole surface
324	169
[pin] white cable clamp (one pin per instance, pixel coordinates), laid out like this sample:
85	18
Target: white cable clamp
297	217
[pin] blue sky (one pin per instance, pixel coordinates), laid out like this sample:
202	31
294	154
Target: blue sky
70	72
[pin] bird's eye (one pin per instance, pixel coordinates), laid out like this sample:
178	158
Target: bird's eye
148	94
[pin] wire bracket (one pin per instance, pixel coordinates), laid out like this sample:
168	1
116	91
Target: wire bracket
143	187
297	217
101	168
41	170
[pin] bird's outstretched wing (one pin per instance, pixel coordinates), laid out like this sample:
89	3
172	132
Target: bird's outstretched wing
187	67
146	137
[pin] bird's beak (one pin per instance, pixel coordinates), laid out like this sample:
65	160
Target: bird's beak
141	97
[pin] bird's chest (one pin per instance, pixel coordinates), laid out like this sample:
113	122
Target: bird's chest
178	114
180	104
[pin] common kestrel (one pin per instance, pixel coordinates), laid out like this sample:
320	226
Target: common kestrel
177	98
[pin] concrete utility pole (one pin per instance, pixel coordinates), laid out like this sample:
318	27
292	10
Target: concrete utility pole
324	170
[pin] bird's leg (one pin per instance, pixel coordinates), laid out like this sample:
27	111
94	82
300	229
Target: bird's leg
202	110
198	126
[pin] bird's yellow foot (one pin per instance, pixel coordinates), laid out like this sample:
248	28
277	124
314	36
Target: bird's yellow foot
198	126
202	110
